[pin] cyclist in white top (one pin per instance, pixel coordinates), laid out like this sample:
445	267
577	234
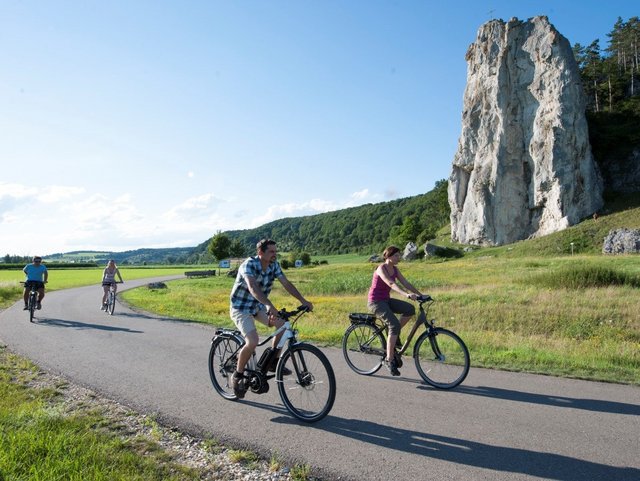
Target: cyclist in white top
109	277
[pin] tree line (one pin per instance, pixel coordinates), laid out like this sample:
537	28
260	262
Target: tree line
610	76
365	229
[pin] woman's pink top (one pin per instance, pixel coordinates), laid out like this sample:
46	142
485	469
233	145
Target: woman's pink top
380	290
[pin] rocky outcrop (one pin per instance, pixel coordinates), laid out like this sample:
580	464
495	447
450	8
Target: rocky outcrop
432	250
622	241
524	166
410	252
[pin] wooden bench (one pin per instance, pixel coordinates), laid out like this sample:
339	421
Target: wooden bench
200	273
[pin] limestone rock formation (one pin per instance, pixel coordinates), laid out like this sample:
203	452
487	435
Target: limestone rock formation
524	166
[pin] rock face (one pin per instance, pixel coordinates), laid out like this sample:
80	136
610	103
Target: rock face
524	166
622	241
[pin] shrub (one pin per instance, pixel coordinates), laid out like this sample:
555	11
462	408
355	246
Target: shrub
581	277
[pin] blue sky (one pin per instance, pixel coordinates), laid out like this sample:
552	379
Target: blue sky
137	124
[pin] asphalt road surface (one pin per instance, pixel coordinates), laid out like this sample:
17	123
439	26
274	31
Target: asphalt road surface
495	426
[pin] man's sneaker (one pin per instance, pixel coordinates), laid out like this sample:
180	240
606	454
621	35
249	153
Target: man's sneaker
392	367
38	306
238	384
26	307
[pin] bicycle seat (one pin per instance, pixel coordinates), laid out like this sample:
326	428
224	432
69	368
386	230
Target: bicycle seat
362	317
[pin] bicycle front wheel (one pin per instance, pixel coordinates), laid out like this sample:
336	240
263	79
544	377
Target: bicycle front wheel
309	391
223	358
364	348
442	359
111	303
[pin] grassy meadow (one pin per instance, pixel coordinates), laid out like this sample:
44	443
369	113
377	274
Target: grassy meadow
575	316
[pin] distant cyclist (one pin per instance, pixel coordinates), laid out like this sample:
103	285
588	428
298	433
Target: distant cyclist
108	278
250	302
37	275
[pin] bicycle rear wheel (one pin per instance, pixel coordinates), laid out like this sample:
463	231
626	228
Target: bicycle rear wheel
111	302
223	358
442	359
310	390
364	348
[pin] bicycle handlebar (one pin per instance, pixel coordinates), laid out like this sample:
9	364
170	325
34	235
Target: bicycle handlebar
287	314
424	298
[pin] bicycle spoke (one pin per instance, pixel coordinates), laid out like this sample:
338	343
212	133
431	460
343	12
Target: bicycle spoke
309	391
222	364
442	359
363	347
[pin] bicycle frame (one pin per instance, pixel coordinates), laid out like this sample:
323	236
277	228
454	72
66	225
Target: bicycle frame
421	319
286	341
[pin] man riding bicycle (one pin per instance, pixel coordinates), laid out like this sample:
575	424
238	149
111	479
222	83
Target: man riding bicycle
250	302
37	275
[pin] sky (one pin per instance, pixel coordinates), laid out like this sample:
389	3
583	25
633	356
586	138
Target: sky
151	123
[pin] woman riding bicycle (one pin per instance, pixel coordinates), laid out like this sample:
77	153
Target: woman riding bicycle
109	279
387	277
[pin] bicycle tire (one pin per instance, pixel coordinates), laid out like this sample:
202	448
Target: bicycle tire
32	306
310	390
222	364
364	348
442	358
111	302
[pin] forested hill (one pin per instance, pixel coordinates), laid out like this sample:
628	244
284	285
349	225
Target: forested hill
366	229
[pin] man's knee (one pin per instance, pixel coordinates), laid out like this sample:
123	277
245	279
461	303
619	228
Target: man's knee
251	339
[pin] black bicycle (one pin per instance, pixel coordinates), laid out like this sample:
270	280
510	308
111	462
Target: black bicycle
111	298
305	379
441	357
32	301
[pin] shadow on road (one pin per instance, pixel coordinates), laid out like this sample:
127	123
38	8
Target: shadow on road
145	315
556	401
460	451
83	325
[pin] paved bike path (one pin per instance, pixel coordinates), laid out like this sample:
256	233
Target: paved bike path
496	426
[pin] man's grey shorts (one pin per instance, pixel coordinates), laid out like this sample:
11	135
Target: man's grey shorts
246	322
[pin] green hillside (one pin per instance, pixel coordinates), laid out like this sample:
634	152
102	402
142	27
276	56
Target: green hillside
364	230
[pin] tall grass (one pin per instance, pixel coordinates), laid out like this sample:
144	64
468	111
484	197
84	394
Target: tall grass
582	277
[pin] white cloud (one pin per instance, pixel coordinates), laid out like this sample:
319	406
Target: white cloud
314	206
70	220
